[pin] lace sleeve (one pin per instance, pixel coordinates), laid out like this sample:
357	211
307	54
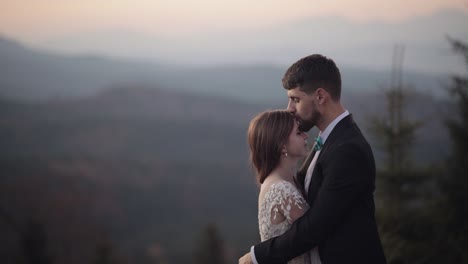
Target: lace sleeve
289	203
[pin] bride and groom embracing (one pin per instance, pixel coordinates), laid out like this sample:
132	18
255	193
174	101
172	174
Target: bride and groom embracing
324	211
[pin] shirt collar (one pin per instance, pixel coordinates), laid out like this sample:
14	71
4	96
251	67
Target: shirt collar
324	135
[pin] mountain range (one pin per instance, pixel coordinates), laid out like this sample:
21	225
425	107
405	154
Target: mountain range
34	74
140	170
356	44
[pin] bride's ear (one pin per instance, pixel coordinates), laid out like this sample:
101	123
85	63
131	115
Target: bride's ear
284	151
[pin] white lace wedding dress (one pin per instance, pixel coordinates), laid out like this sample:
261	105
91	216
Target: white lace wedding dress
274	215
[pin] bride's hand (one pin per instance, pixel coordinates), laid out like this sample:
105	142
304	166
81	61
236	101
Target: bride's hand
246	259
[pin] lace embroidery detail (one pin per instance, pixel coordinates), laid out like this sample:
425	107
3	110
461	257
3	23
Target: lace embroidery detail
274	214
282	197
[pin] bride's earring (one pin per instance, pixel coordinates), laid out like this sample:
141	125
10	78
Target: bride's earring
285	151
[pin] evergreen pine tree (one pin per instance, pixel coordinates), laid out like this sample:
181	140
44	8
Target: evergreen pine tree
210	247
398	180
453	209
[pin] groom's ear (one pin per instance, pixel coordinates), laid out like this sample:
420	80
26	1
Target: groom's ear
321	95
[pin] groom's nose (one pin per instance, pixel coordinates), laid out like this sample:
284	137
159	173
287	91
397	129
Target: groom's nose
291	107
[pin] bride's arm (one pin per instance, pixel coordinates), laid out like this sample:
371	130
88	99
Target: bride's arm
292	204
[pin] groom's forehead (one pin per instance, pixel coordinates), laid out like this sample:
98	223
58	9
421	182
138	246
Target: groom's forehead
296	92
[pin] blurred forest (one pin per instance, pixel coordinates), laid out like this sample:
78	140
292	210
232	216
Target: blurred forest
136	173
421	208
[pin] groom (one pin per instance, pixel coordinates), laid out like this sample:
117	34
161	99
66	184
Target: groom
338	177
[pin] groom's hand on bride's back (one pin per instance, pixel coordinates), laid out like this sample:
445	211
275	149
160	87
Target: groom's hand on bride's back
246	259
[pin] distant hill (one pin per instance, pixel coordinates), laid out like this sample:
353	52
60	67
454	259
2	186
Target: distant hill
129	108
131	169
127	122
138	168
30	74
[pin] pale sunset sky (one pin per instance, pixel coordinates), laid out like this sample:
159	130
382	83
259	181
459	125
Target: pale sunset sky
206	32
31	19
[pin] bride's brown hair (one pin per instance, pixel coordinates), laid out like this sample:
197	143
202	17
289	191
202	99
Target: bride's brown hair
268	132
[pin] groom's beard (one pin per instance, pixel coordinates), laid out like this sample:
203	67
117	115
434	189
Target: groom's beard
307	124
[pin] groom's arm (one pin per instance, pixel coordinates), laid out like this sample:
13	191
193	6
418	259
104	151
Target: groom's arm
347	175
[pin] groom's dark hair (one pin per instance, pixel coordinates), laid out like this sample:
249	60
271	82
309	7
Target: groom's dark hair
313	72
267	134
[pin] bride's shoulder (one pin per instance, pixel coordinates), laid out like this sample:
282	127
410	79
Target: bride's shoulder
277	185
283	198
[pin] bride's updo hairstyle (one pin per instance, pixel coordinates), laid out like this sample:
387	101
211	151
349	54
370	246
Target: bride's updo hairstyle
268	133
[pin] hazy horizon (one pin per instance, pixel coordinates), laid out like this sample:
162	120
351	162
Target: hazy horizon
360	34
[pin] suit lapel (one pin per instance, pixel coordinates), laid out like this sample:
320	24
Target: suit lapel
333	137
337	132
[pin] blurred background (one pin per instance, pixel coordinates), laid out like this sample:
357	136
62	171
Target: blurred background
123	123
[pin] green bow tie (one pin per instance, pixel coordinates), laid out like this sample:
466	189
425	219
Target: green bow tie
318	143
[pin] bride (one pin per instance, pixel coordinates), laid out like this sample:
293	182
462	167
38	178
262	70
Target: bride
276	146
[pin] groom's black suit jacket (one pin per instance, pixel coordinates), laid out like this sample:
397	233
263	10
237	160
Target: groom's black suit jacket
341	219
